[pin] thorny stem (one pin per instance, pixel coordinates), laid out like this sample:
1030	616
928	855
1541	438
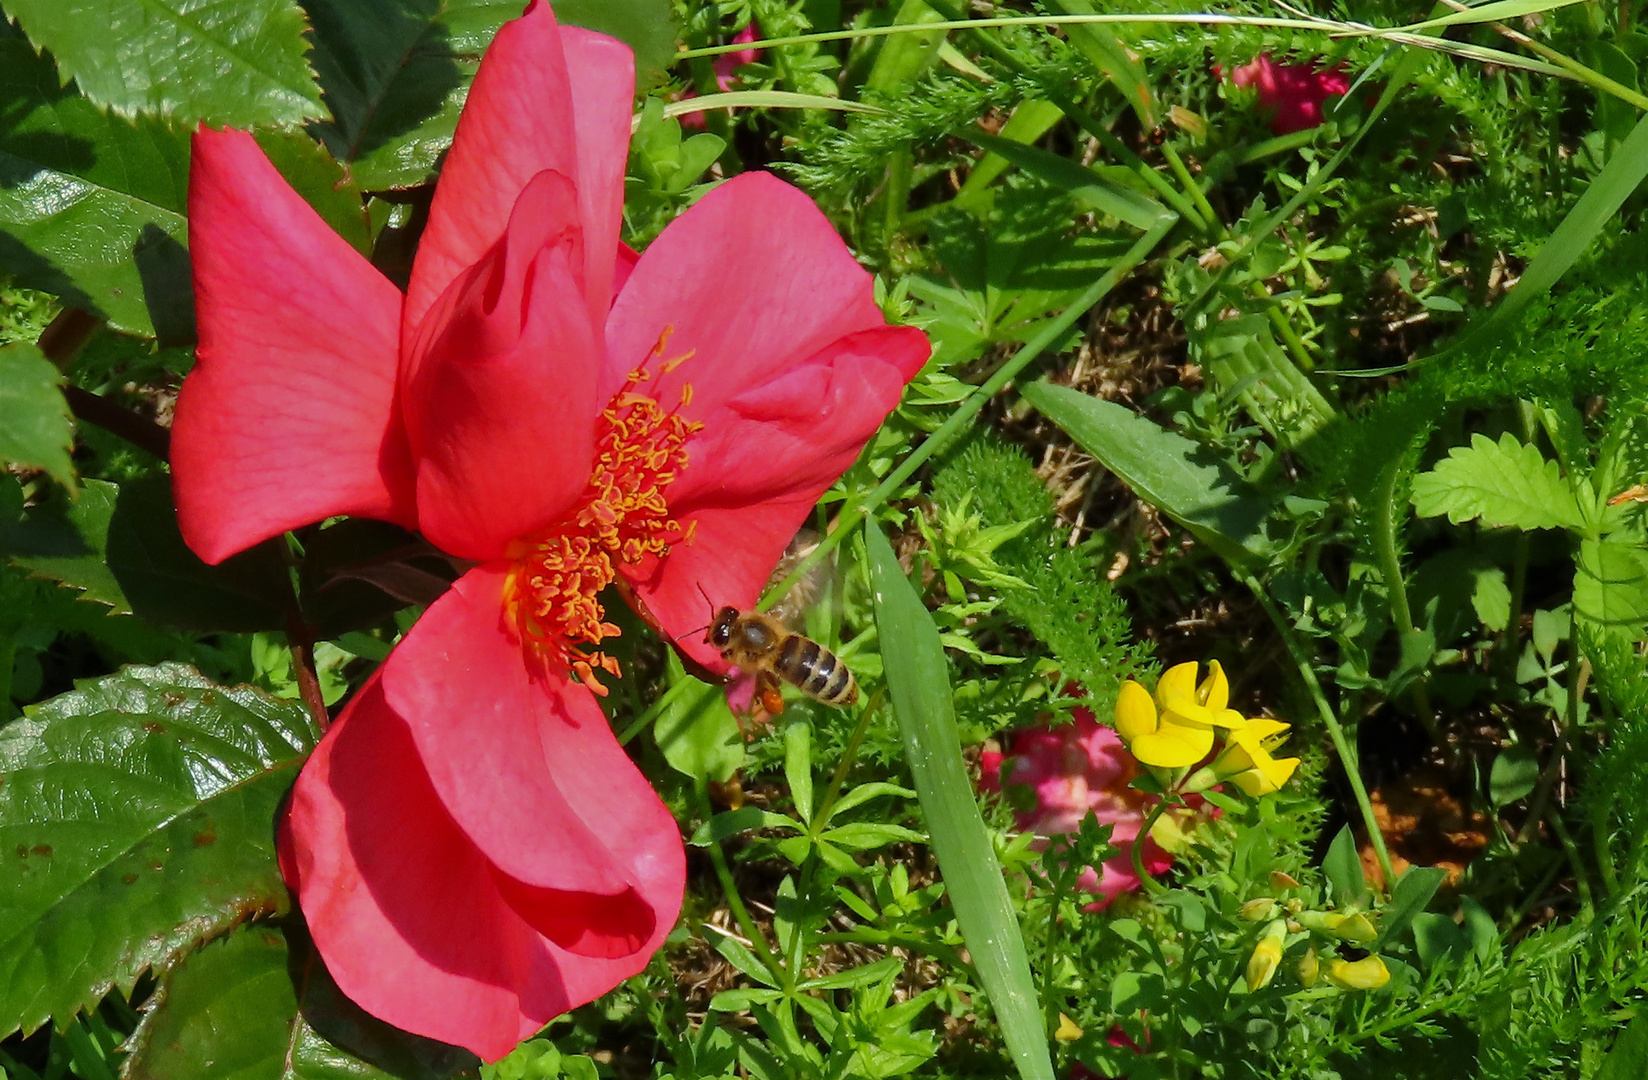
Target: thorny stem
857	509
1347	754
301	640
729	887
60	342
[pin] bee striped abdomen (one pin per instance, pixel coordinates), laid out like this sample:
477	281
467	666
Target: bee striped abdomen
816	671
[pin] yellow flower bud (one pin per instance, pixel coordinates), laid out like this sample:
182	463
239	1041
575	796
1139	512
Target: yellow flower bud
1246	758
1346	927
1067	1030
1279	880
1368	973
1259	910
1267	956
1309	968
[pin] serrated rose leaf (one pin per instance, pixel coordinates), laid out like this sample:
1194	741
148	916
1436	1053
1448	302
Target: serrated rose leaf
119	544
94	203
1504	483
136	821
255	1005
240	64
35	429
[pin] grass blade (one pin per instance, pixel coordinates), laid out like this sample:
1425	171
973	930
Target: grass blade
1622	175
919	684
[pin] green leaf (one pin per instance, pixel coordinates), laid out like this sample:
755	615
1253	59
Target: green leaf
35	428
1343	867
696	731
92	205
237	65
798	767
733	822
1611	583
1029	122
1628	1060
231	1009
1413	891
1438	939
136	820
1090	190
1505	484
1514	774
919	686
1603	197
903	58
864	835
856	977
647	26
120	544
395	73
1182	480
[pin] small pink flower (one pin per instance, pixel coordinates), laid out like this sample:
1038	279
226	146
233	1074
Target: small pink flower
1294	93
726	65
1071	770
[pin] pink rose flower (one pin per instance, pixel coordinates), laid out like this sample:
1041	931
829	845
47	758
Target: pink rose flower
1293	93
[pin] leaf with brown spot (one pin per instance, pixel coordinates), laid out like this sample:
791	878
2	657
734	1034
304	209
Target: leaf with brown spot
115	797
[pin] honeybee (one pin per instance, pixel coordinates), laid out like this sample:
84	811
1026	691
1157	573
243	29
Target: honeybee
760	645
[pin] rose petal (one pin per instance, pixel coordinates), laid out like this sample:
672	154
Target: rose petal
752	280
408	913
289	415
500	386
525	114
760	464
529	770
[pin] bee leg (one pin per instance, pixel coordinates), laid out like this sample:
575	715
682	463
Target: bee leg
767	692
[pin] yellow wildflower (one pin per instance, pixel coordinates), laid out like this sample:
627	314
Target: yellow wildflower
1180	732
1246	758
1368	973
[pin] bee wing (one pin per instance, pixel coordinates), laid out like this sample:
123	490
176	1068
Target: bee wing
791	608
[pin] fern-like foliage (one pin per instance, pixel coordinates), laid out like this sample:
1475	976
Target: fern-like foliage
1067	605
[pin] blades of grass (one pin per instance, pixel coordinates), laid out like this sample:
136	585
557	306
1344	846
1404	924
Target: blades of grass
1105	51
919	684
1622	175
1498	10
761	99
1088	188
857	510
1176	476
1029	122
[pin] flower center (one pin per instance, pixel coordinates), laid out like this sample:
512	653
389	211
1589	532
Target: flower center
622	518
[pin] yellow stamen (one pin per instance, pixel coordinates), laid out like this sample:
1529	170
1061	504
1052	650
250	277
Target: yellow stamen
621	520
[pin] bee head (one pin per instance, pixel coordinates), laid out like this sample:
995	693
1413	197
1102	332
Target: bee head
720	631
